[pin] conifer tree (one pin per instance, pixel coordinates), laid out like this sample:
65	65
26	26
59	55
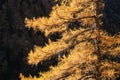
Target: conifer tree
82	49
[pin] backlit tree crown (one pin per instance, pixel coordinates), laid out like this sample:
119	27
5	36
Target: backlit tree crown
83	51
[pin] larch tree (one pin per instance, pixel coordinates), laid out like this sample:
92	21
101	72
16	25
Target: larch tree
82	49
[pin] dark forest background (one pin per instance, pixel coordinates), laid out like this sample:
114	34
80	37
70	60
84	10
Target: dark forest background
16	40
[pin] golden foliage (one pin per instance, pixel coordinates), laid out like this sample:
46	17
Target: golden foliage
41	54
73	64
81	51
62	15
110	70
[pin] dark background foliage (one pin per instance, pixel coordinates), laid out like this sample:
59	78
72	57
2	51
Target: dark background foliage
112	16
16	40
